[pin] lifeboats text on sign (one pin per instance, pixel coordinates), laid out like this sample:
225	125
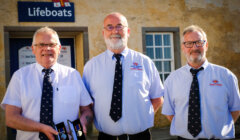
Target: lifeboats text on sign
46	11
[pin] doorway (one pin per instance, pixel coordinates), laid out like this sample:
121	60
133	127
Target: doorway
21	53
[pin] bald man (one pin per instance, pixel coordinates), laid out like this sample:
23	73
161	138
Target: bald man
124	85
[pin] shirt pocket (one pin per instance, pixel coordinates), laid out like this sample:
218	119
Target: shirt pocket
135	77
220	95
67	94
138	81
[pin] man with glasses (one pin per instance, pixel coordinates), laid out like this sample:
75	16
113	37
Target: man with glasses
45	93
201	99
124	84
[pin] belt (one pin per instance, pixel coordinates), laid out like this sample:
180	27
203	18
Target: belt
181	138
144	135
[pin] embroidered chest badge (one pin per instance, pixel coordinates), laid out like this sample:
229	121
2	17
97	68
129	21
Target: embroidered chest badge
215	83
136	66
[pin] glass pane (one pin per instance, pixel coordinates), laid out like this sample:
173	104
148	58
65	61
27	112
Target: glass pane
149	40
158	65
166	39
167	66
165	76
167	52
158	40
158	52
150	52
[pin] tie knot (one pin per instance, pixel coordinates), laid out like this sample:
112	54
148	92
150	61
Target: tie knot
117	56
47	71
195	71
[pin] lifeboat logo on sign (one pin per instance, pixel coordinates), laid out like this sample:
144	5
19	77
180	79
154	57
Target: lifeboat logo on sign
61	3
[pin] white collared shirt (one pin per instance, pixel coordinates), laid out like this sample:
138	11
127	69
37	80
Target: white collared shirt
25	91
219	96
141	83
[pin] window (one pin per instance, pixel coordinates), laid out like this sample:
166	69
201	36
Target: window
160	47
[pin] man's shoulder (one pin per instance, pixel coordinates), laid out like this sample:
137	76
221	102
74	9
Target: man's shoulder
138	54
217	69
65	69
99	56
180	70
135	55
26	68
97	59
25	71
216	66
178	73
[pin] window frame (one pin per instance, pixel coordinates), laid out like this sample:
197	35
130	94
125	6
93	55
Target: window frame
176	42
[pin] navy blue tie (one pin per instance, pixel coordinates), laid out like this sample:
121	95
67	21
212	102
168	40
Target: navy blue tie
116	104
194	113
46	110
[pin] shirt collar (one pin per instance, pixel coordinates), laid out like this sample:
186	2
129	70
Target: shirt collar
124	53
204	65
40	67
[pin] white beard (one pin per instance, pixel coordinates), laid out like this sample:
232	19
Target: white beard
116	44
196	60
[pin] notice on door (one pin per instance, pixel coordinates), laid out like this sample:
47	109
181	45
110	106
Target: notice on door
65	56
26	57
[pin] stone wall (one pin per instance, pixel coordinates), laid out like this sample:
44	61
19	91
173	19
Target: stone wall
219	18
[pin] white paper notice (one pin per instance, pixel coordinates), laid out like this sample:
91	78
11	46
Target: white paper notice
26	57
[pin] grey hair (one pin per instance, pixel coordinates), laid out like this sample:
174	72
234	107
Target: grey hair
194	28
45	30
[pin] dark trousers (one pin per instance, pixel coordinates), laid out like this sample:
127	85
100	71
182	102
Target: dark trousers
145	135
180	138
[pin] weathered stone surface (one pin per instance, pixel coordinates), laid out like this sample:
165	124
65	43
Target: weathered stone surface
219	18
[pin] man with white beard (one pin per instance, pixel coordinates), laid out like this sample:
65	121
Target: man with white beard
124	85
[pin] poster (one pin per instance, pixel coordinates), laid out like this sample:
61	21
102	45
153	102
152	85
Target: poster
26	57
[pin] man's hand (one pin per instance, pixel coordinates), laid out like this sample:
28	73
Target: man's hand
157	103
48	131
86	116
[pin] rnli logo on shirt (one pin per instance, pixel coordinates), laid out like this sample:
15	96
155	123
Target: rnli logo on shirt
136	66
215	83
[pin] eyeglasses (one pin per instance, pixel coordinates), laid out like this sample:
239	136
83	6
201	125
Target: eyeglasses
41	45
199	43
117	27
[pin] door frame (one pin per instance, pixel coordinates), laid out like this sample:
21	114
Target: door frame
80	35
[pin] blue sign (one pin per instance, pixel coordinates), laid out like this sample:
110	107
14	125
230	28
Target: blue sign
45	12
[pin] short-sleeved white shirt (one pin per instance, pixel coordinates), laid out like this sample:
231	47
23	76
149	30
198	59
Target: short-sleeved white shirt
219	96
25	91
141	83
